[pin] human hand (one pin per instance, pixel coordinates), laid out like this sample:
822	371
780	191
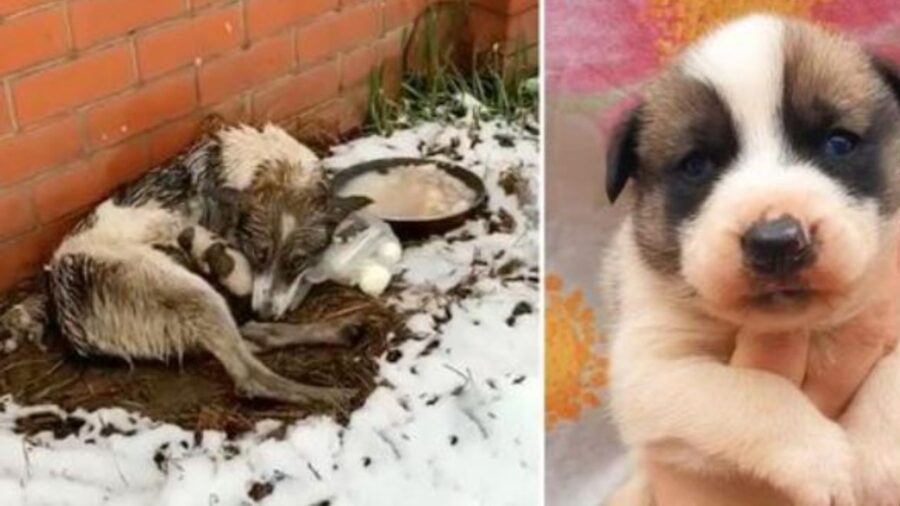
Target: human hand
829	384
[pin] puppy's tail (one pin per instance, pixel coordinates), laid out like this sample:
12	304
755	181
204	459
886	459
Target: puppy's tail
25	312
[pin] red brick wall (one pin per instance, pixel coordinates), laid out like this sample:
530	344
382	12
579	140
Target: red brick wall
95	92
513	21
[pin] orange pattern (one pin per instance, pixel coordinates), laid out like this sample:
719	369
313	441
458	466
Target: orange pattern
680	22
574	371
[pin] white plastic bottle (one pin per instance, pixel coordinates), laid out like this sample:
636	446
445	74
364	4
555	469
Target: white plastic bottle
364	252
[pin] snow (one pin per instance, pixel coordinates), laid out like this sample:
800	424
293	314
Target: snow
458	420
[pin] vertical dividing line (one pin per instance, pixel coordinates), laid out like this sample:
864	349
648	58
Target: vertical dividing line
542	240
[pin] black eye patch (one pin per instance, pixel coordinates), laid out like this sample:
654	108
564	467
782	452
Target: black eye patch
815	135
302	247
709	145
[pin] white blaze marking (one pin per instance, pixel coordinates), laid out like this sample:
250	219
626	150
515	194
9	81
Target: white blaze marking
744	63
288	224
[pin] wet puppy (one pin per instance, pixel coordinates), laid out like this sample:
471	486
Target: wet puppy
148	274
764	165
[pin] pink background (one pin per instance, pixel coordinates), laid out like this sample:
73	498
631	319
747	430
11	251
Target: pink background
598	53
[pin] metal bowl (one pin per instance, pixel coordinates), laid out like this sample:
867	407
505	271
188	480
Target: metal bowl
408	229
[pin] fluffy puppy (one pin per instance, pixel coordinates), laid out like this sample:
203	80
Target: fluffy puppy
764	166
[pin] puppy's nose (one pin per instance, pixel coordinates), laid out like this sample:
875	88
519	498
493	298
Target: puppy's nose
265	311
778	247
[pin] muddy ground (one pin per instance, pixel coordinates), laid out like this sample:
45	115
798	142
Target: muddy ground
197	394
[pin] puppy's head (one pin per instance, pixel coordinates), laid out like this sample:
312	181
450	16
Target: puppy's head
764	168
284	230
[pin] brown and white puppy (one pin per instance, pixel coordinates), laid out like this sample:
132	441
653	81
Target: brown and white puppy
764	163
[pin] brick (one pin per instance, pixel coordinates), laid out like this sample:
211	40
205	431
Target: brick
321	125
335	33
17	211
123	162
391	46
64	87
8	7
328	122
88	182
32	38
5	116
489	28
399	13
211	32
360	24
269	16
235	110
357	65
171	138
523	28
68	190
151	105
354	107
96	20
390	50
261	62
318	41
24	255
296	93
31	152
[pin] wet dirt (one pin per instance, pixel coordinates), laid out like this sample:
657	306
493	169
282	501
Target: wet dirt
197	394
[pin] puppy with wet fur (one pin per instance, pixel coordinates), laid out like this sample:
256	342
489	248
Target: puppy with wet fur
153	271
764	163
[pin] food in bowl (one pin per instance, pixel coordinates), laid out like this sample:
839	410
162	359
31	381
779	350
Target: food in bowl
412	192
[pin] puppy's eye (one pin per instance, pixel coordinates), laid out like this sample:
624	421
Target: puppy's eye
839	143
696	166
257	251
297	263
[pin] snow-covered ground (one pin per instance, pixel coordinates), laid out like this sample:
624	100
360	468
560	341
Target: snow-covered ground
457	422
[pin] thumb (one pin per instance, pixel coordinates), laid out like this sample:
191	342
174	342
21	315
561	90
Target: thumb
781	353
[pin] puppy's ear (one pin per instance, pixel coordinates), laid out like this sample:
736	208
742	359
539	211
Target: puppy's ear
889	74
621	155
225	206
341	207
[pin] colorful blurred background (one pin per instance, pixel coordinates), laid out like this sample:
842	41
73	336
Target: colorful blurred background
598	53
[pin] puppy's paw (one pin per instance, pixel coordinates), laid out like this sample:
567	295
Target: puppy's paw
20	325
230	268
818	472
878	475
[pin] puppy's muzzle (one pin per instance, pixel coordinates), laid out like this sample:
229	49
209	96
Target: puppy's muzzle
777	248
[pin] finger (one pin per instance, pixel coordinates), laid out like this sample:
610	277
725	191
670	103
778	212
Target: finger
834	377
784	354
